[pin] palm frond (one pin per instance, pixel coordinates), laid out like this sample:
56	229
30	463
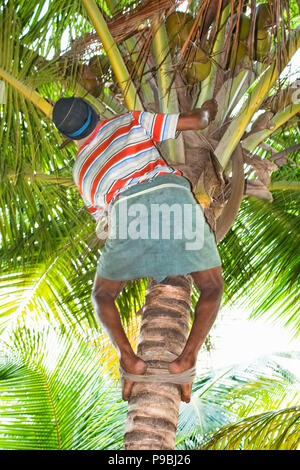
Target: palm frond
274	430
260	260
53	289
30	148
54	394
222	397
40	18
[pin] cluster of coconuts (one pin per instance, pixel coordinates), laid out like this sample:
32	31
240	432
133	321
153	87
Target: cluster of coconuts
98	73
262	37
179	24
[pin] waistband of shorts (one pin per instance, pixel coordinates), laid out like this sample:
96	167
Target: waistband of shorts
166	180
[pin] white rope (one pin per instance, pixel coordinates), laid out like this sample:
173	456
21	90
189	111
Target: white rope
185	377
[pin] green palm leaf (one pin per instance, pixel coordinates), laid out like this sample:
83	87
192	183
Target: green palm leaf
54	390
29	149
54	394
53	292
222	397
274	430
260	257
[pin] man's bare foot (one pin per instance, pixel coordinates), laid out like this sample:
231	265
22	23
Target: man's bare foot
133	365
181	365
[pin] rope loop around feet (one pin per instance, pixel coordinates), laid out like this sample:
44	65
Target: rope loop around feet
185	377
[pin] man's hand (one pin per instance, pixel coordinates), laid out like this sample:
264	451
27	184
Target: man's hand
198	118
212	107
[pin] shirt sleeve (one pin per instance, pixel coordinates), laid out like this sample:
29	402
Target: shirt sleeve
159	127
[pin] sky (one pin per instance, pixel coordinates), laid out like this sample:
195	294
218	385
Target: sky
236	340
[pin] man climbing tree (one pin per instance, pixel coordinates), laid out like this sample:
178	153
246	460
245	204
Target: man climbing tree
120	173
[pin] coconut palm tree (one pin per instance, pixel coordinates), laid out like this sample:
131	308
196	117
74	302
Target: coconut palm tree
161	60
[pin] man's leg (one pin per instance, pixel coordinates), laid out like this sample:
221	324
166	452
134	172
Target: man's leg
105	292
210	283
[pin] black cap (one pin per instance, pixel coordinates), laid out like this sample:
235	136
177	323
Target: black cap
74	117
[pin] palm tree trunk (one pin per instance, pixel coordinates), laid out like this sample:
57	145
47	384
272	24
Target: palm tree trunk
154	407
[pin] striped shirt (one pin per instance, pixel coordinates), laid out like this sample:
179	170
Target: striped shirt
121	153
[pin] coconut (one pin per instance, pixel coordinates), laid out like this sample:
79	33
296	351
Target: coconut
178	26
263	16
244	26
99	65
88	80
199	68
237	53
262	44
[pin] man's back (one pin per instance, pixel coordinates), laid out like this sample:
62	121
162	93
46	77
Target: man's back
121	153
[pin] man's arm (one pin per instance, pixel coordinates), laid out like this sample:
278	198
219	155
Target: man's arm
198	118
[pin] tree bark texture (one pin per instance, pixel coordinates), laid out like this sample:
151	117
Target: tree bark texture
153	408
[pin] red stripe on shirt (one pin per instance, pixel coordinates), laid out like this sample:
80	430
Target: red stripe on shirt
89	161
92	209
90	138
120	183
136	115
158	126
130	150
97	128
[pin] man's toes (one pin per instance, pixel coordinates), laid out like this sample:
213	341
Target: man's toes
186	391
126	389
